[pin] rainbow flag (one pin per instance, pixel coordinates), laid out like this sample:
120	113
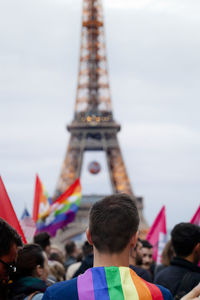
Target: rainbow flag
41	200
62	211
117	283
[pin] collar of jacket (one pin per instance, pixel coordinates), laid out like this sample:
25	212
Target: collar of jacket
181	262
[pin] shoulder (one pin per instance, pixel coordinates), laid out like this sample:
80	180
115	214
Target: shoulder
38	296
35	297
162	274
156	291
165	292
59	291
142	273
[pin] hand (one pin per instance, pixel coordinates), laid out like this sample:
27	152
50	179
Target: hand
193	295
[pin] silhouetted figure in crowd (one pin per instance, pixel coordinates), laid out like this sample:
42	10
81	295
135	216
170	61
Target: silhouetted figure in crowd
56	271
74	267
43	239
166	257
135	261
113	231
87	261
71	253
147	257
32	273
183	273
56	254
9	243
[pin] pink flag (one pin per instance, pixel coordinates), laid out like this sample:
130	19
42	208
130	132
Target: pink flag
157	235
196	218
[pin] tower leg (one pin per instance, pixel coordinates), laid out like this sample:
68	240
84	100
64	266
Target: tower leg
71	167
118	174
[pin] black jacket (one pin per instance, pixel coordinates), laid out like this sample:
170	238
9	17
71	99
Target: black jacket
142	273
180	277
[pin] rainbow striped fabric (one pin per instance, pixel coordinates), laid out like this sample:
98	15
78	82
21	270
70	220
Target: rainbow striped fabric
117	283
62	211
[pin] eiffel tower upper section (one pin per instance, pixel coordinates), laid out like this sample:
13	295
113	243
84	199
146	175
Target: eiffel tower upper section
93	100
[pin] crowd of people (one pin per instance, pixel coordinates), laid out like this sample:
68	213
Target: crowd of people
114	263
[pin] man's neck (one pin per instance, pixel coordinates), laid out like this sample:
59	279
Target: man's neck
108	260
191	259
132	261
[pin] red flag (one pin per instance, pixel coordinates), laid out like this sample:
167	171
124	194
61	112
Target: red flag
38	188
7	211
157	235
196	218
41	200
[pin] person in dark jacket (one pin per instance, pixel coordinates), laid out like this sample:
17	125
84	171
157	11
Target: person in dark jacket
87	261
183	274
71	253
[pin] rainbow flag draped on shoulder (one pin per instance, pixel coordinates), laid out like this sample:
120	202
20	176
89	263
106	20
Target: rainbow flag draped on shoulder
62	211
117	283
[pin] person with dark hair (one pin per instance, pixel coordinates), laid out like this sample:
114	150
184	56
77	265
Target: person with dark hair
135	261
43	239
147	255
72	252
87	261
9	243
113	230
32	273
183	273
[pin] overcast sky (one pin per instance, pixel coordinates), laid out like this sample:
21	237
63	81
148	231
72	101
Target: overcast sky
153	51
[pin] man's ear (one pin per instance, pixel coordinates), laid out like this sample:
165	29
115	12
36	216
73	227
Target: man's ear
38	271
133	240
197	248
89	237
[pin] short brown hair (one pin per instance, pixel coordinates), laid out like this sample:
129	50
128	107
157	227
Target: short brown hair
112	222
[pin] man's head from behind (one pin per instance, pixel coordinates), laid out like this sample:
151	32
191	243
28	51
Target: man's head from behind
186	240
9	242
71	249
43	239
112	223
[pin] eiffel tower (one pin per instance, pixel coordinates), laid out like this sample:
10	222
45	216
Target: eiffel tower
93	127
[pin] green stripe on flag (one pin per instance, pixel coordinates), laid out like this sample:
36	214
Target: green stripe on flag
114	283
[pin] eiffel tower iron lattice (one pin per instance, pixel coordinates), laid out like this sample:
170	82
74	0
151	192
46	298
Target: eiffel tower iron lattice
93	126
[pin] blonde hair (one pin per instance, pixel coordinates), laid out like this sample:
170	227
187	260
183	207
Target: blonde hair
57	270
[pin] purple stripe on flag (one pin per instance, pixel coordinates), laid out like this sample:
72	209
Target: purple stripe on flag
85	286
59	222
